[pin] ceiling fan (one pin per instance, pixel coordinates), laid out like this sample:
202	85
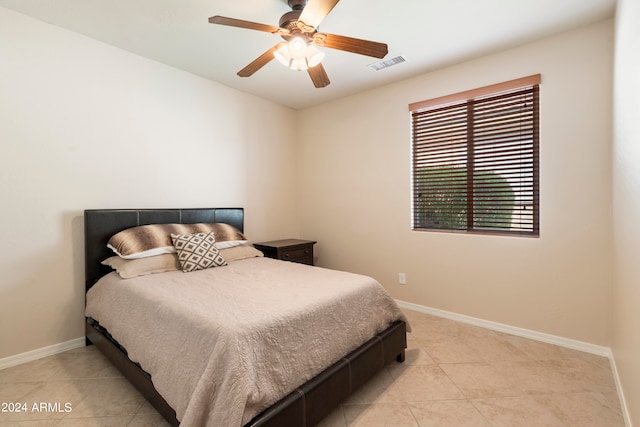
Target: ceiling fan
299	29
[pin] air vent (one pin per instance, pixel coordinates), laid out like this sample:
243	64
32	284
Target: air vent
388	63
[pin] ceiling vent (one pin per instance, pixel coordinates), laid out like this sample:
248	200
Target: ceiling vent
388	63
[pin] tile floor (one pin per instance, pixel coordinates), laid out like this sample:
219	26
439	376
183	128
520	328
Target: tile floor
454	375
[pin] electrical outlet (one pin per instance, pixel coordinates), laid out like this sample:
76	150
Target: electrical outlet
402	278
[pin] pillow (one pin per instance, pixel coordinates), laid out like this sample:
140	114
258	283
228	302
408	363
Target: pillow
155	239
197	251
129	268
237	253
230	243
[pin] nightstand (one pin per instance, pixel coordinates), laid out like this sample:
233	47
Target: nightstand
294	250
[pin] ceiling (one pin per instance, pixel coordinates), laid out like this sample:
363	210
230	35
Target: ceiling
429	34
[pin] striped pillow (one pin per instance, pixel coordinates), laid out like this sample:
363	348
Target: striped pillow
155	239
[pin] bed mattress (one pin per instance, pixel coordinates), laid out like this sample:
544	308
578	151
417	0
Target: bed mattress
223	344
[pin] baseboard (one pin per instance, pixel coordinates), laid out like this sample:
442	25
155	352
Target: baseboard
623	400
513	330
29	356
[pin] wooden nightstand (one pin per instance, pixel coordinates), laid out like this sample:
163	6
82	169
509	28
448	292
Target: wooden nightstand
294	250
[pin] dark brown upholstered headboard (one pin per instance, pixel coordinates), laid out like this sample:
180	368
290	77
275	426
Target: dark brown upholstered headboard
101	224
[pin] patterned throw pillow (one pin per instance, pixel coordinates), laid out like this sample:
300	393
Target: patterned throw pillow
197	251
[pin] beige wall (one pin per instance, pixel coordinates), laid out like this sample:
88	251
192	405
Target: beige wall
626	205
85	125
355	194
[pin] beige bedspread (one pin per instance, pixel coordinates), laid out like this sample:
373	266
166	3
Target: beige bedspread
225	343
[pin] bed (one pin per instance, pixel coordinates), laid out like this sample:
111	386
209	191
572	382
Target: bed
304	404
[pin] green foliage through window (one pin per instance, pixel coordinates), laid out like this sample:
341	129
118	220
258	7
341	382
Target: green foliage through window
442	199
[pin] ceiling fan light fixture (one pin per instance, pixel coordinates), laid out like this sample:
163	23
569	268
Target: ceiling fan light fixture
297	47
282	54
313	56
298	54
299	64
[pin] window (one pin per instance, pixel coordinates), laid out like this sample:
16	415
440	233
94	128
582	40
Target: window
475	160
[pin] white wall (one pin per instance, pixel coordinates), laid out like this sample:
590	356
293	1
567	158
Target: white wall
355	194
626	204
85	125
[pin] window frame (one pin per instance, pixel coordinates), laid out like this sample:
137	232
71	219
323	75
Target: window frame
530	226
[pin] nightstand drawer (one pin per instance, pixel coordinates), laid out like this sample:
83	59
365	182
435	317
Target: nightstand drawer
302	255
298	254
294	250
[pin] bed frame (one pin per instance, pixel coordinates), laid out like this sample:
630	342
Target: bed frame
305	406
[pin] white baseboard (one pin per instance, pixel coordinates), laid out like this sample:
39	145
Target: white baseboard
29	356
538	336
513	330
623	401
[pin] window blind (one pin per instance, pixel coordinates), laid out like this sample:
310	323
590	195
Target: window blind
476	163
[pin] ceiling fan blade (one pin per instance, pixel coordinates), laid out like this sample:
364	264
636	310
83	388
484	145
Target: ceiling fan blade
232	22
313	14
350	44
319	76
259	62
